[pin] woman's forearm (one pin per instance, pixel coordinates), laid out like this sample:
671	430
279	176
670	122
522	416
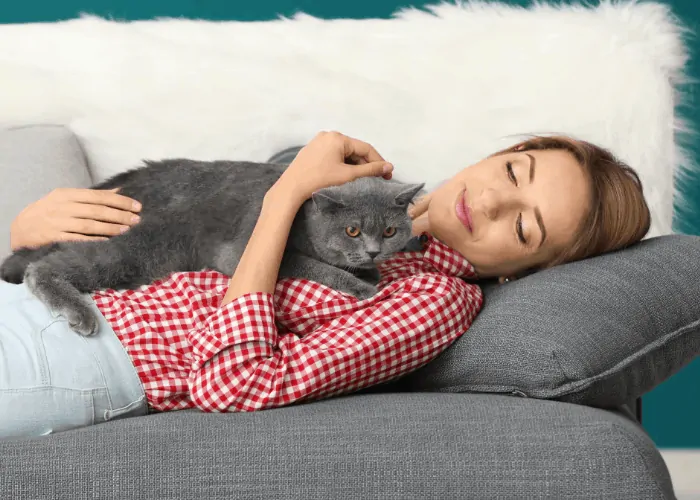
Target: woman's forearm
259	266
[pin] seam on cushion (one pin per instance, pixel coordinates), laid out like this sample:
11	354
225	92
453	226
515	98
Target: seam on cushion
491	389
574	385
517	389
577	385
556	359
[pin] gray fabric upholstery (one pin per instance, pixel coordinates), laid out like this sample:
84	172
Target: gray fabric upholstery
35	160
384	446
600	332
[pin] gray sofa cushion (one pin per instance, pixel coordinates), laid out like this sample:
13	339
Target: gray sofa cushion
34	160
388	446
600	332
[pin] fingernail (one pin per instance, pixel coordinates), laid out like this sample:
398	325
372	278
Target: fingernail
124	229
135	219
136	205
387	168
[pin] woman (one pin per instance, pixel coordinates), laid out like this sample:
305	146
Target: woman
250	342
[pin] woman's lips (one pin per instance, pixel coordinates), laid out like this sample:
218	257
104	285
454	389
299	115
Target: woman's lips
463	213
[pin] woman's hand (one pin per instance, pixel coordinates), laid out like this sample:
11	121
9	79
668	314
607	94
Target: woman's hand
73	214
420	206
330	159
323	162
418	212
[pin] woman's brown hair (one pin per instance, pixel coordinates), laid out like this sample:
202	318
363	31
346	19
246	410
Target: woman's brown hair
619	215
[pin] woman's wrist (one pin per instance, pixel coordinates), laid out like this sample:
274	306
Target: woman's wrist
284	196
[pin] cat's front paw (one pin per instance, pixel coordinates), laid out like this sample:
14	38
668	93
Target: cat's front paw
81	320
61	298
362	290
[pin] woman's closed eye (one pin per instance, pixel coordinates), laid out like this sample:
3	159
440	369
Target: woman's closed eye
519	229
511	173
519	221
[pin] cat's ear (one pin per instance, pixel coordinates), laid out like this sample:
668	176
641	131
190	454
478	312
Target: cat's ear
324	200
407	194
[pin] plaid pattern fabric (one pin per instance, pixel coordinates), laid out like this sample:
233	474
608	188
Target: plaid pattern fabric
305	342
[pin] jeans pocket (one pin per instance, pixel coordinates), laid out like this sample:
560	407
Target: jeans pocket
39	411
134	409
70	361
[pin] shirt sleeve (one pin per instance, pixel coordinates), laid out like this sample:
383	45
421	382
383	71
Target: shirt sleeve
243	363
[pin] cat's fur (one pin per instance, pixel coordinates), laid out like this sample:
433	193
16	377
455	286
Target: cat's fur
200	215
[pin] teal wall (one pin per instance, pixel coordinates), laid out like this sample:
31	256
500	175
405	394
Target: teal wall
672	411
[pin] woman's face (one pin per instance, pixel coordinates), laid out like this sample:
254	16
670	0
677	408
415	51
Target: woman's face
511	212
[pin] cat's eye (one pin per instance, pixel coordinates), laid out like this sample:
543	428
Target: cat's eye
353	232
389	232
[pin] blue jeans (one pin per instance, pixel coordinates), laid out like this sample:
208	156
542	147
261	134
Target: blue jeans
51	378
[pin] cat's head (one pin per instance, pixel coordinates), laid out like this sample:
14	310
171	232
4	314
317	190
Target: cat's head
360	223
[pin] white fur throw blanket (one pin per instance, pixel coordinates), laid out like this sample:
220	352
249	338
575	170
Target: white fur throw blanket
434	91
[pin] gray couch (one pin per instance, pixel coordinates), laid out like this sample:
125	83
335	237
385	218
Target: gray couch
462	427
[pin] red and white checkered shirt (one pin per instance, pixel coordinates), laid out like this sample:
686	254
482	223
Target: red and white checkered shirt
305	342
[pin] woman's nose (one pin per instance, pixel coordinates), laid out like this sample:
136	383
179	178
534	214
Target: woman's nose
494	203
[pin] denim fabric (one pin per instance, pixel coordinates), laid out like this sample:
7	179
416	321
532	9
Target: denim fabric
51	378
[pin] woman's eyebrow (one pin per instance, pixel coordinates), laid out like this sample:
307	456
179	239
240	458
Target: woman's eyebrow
532	167
540	223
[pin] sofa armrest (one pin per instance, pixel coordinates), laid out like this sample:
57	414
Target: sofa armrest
35	160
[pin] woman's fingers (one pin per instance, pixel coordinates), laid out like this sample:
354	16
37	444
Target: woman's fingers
109	198
91	227
362	153
73	213
78	237
360	150
374	169
331	159
100	213
419	207
95	213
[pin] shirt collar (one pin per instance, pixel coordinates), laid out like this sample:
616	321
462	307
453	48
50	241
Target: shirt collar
444	259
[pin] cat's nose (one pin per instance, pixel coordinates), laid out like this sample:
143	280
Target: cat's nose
372	255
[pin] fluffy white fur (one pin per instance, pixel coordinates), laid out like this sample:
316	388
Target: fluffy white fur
433	91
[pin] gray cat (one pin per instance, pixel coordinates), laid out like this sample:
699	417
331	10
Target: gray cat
200	215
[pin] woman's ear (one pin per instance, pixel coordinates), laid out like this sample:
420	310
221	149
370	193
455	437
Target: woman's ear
515	277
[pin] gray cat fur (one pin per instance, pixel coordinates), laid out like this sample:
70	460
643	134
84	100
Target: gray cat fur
200	215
